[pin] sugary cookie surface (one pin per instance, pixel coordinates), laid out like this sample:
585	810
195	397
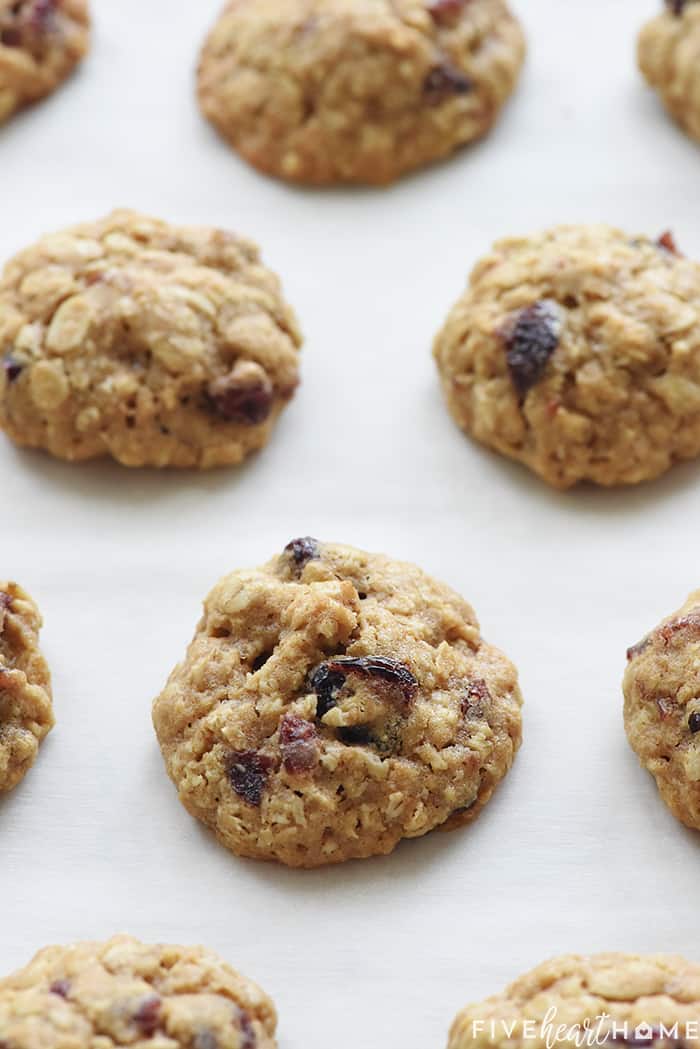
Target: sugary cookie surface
332	703
323	91
124	993
669	57
628	993
26	712
662	708
41	42
157	345
577	352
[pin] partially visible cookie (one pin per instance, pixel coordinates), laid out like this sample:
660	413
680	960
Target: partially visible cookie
596	1000
662	708
669	57
577	352
124	993
157	345
26	711
324	91
41	42
332	703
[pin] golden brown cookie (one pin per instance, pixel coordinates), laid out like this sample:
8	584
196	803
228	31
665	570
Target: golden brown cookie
662	708
124	993
577	352
41	42
26	711
323	91
157	345
601	1000
669	57
332	703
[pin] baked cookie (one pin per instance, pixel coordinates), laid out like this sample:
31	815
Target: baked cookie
123	993
332	703
662	708
158	345
41	42
669	57
602	999
324	91
26	711
577	352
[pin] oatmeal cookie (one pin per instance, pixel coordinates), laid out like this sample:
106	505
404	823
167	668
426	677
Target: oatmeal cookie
41	42
669	57
577	352
26	711
662	708
332	703
324	91
157	345
124	993
619	995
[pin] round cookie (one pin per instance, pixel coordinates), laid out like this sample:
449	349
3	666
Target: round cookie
577	352
598	1000
662	708
333	702
41	42
157	345
124	993
26	711
325	91
668	51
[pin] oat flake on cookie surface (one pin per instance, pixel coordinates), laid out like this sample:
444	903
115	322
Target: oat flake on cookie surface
154	344
125	993
41	42
26	709
669	57
618	995
577	352
324	91
662	708
333	702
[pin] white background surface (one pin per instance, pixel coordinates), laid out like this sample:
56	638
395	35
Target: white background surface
576	852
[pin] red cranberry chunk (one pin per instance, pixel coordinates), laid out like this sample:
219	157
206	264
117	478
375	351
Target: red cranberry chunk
298	743
147	1016
446	11
667	242
245	395
530	343
10	37
248	1039
42	14
636	650
329	677
476	700
248	772
13	367
444	82
61	988
694	722
677	7
302	550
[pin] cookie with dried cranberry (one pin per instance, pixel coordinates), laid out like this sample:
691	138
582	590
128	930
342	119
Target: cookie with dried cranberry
612	998
668	52
125	993
662	708
26	709
577	352
41	43
333	702
156	345
332	91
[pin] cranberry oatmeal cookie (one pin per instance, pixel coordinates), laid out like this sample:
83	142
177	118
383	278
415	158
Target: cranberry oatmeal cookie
332	703
669	57
157	345
324	91
124	993
577	352
26	711
615	995
41	42
662	708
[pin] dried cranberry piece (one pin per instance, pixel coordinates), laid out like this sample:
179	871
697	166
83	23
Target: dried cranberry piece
249	1040
13	367
677	7
325	683
445	10
42	13
245	396
691	622
302	550
248	772
694	722
147	1016
636	650
444	82
298	743
476	700
61	988
530	342
330	676
667	242
10	37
